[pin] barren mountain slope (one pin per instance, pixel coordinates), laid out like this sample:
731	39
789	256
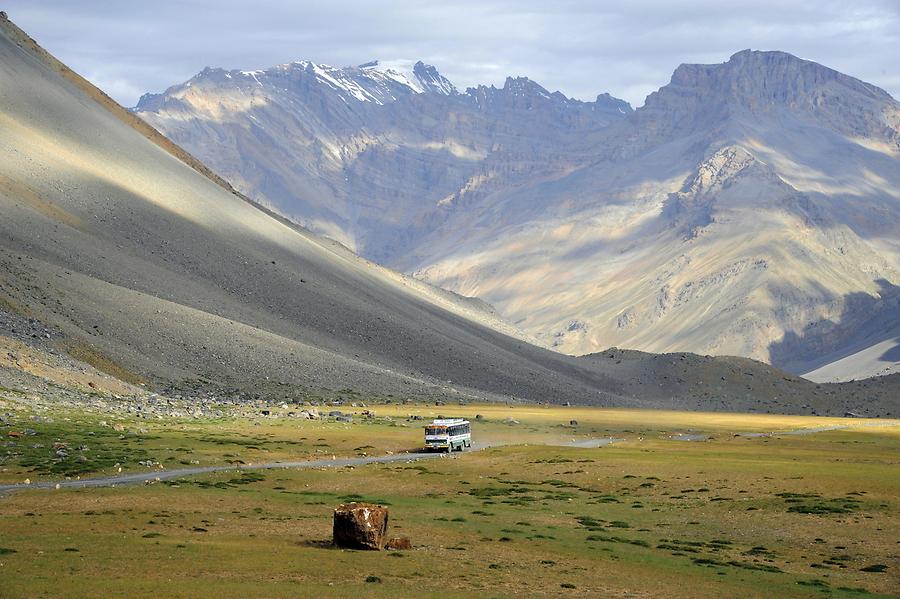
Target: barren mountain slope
163	272
723	222
140	265
371	155
748	208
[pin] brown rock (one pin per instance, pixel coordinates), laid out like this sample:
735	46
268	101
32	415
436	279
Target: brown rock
360	526
398	544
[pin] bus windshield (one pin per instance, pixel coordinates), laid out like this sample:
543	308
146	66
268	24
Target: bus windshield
435	430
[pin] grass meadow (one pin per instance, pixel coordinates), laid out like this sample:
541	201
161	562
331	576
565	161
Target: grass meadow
727	514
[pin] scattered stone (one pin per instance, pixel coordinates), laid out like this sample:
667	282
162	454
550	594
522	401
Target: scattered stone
510	420
398	544
573	423
360	526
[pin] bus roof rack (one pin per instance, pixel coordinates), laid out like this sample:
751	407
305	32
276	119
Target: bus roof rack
448	421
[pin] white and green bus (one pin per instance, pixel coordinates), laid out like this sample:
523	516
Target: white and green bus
448	434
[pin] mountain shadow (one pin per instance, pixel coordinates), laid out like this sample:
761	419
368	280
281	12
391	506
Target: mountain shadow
865	320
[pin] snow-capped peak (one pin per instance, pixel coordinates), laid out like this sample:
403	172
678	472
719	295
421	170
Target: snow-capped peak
376	82
418	76
400	71
431	80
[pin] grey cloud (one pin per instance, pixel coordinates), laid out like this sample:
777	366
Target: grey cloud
579	47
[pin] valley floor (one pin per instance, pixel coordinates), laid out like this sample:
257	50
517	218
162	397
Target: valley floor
682	505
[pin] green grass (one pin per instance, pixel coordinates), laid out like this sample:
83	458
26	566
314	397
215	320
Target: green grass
519	520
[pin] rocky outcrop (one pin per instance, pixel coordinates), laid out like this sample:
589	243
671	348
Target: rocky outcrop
360	526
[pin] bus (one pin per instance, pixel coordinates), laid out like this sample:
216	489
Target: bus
448	434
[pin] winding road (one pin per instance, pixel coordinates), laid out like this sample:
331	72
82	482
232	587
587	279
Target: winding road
160	475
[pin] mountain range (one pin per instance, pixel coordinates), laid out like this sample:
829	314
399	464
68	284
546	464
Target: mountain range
122	254
748	208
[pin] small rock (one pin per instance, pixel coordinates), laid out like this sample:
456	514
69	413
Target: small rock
398	544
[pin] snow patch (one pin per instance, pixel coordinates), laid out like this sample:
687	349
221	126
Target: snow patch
253	75
339	80
399	71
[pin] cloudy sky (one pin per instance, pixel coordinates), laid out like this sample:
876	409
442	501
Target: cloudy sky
580	47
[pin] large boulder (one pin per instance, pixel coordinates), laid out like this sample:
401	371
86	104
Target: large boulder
360	526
